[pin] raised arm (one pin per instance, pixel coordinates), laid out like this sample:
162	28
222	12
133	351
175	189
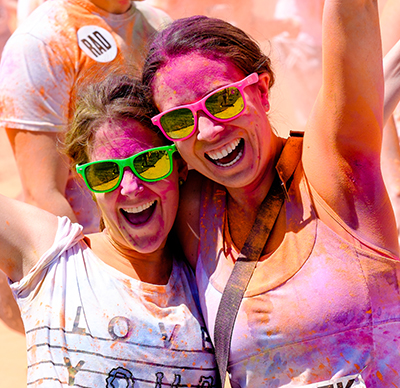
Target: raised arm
342	141
26	233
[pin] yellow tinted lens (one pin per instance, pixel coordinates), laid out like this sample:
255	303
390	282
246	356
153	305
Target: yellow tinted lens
225	104
178	123
102	176
152	165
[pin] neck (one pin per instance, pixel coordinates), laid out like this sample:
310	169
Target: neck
113	6
251	196
154	267
243	203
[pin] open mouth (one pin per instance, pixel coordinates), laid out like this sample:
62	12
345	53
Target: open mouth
227	156
141	214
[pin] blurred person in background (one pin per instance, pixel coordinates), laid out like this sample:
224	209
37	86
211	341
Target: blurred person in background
299	59
60	41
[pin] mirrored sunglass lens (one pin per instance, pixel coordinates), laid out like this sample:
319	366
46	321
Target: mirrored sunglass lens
225	104
152	165
178	123
102	176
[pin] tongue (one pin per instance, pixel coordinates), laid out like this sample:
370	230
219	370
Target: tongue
139	218
227	159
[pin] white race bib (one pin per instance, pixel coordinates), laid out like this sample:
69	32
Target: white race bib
97	43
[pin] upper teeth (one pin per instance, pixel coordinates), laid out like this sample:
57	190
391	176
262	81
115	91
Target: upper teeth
140	208
221	153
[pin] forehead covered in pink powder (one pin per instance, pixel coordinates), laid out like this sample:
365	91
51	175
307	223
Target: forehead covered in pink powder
185	79
118	139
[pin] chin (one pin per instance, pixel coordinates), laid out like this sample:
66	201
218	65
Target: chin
148	245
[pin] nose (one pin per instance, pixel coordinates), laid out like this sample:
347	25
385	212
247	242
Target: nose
130	183
207	128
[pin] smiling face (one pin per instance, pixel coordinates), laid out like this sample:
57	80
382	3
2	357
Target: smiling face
138	215
238	153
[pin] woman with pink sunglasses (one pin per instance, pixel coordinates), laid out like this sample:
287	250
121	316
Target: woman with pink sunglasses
322	308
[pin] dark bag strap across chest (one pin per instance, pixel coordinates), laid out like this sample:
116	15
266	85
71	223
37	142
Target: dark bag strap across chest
251	251
242	272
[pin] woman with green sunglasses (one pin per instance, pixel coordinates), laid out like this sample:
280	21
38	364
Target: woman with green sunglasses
322	307
119	307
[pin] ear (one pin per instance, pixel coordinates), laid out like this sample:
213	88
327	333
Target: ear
263	88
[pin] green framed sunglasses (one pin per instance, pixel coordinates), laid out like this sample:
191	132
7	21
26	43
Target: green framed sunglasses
151	165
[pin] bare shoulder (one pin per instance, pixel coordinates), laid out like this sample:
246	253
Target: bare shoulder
188	218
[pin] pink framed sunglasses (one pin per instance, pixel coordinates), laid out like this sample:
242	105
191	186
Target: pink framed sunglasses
223	104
